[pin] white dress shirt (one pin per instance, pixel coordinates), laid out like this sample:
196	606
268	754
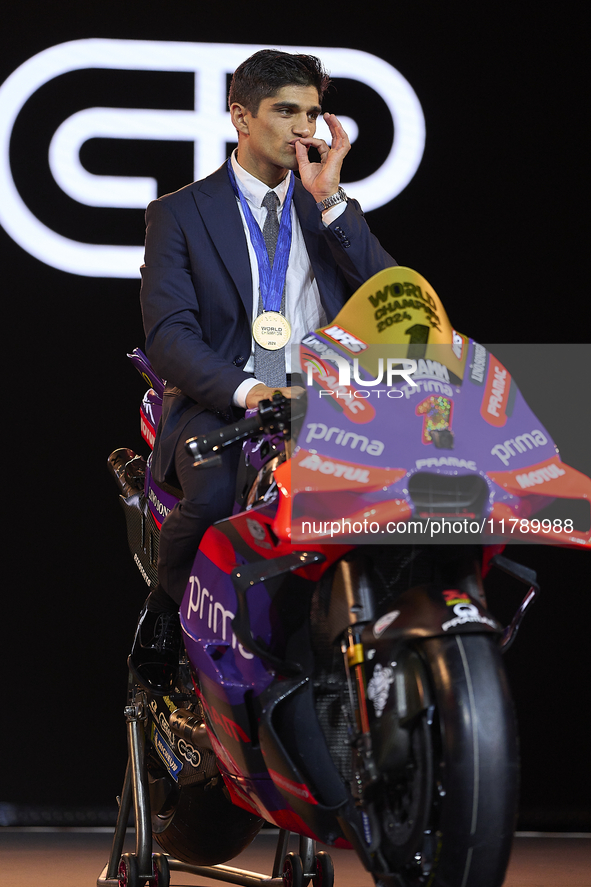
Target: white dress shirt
303	307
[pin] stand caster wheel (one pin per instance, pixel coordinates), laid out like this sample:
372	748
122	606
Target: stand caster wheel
161	871
293	871
324	876
127	874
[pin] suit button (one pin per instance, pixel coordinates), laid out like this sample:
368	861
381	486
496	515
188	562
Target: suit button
239	361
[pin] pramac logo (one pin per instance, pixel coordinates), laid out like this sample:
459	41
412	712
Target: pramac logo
208	126
498	393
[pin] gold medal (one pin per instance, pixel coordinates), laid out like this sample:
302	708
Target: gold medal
271	330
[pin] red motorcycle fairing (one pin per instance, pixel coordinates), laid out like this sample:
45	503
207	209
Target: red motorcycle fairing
257	686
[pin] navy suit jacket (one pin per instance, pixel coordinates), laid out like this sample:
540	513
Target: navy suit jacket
196	293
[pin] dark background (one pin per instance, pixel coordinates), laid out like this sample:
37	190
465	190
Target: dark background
494	219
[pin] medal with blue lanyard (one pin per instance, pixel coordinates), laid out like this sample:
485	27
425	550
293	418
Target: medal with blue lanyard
271	330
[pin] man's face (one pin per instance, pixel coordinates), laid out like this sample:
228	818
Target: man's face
268	146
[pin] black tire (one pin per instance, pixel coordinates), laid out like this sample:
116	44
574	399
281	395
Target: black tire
293	871
463	771
161	870
127	874
198	823
324	870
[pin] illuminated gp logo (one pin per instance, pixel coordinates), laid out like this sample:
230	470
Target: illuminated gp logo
209	127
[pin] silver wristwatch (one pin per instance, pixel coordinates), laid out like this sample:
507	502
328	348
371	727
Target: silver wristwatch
339	197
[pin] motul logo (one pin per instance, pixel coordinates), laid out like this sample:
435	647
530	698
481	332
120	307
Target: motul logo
337	469
550	472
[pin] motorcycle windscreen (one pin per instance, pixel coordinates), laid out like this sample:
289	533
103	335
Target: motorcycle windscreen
414	432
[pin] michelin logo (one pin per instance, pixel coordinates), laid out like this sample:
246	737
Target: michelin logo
172	763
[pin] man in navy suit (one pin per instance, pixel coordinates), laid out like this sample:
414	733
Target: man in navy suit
203	275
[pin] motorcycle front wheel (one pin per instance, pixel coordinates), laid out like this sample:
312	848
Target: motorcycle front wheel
447	817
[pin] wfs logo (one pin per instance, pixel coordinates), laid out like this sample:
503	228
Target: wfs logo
207	126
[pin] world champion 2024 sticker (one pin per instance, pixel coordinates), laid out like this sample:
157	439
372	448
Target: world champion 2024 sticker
397	306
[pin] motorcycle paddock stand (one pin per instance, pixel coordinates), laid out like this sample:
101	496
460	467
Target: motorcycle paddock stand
144	867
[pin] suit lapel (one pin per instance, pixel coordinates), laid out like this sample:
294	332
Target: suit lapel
217	206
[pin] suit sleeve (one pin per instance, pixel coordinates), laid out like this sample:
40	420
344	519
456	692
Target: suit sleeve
356	250
171	313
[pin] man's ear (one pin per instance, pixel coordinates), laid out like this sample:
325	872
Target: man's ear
239	115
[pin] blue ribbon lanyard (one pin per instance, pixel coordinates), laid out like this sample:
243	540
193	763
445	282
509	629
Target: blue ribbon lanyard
271	280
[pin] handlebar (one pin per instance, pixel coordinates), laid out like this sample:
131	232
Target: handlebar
272	417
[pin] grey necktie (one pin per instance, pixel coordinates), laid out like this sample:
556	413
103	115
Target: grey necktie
269	366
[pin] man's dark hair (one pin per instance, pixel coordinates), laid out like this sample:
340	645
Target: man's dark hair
266	72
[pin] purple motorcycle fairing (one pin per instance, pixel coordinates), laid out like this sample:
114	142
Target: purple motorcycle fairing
240	692
400	427
478	448
160	502
206	620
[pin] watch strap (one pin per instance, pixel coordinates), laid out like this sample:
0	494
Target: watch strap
333	200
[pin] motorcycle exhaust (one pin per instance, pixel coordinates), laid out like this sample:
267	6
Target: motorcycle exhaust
128	470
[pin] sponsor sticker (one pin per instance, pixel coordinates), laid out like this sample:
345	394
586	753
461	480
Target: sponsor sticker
478	366
446	462
496	400
170	760
521	443
453	596
256	530
346	339
147	431
378	689
467	613
327	378
550	477
156	505
383	622
337	469
312	471
344	438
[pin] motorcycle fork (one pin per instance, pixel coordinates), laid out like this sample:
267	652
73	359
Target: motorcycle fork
355	667
364	766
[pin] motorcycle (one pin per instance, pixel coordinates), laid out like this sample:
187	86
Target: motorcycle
342	676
